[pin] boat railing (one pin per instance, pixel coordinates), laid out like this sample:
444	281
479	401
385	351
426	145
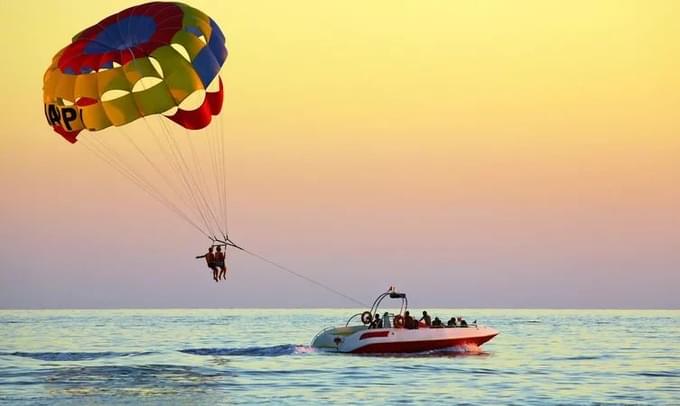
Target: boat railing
392	315
389	316
352	317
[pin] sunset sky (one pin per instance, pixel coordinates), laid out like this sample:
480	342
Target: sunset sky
473	154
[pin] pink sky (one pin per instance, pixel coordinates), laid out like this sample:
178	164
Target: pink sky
475	164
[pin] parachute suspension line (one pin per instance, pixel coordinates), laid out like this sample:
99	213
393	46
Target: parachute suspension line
230	243
205	191
160	173
213	152
131	176
221	137
211	134
174	165
142	181
194	186
214	159
212	146
186	175
216	188
173	162
116	158
100	152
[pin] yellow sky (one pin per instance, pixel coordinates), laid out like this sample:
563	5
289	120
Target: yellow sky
532	120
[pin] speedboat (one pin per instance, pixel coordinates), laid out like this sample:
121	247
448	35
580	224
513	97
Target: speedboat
398	333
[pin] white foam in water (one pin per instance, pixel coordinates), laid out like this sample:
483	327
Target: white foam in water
304	349
470	348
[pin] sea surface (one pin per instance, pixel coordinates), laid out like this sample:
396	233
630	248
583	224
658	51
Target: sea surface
254	356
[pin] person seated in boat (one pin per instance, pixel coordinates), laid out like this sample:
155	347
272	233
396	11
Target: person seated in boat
451	322
210	261
427	319
377	322
386	320
436	323
220	263
462	322
409	322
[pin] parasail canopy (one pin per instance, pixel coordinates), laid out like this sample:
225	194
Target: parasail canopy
154	58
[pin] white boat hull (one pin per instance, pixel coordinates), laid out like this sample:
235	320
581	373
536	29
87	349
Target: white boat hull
361	339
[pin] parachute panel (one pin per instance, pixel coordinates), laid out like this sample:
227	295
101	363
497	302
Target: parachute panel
154	100
86	87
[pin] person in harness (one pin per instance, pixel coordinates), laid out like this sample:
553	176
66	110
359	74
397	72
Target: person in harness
220	263
210	260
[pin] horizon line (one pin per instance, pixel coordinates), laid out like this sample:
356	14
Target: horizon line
333	308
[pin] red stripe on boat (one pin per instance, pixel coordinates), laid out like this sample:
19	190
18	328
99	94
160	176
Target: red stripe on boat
419	346
372	334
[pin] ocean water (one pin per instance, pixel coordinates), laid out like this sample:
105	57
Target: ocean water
248	356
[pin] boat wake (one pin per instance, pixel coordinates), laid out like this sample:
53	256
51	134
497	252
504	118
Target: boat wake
273	351
72	356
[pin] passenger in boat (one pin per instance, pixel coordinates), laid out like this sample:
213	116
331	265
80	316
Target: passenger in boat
377	322
462	322
451	322
427	319
409	322
210	261
386	320
437	323
220	263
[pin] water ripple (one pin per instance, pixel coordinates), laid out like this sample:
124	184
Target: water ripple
273	351
73	356
665	374
218	356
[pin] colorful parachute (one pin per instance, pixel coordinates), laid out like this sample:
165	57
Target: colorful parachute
148	62
145	60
